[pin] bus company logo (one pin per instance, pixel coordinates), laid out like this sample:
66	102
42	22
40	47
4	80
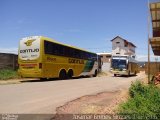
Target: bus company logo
29	42
76	61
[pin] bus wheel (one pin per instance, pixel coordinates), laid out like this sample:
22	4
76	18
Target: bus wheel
62	75
95	73
70	74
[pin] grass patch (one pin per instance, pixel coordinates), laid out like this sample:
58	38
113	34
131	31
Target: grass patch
8	74
144	102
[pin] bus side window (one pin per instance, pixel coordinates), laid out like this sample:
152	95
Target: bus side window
89	56
48	48
72	52
77	54
66	51
61	50
86	55
81	55
55	49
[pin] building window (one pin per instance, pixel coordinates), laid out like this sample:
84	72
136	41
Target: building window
117	42
125	44
133	56
117	53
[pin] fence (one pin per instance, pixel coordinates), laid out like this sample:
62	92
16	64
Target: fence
8	60
154	68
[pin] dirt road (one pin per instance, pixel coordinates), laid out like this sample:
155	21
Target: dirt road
45	96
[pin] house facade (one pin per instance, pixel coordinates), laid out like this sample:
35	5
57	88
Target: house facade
121	46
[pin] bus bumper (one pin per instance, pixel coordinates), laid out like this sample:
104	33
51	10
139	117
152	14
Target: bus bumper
30	74
119	72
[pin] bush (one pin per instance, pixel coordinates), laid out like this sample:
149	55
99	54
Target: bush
144	102
137	88
8	74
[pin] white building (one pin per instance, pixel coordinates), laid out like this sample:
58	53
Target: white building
106	61
121	46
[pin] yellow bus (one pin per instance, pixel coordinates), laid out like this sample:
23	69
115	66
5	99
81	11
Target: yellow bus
42	57
124	65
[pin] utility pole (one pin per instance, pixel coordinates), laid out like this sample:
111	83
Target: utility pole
156	60
148	42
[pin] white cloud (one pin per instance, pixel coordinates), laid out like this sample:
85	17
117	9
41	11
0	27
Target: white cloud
9	50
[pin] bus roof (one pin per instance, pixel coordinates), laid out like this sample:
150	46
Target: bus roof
52	40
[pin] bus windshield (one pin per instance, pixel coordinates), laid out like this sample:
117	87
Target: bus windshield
119	64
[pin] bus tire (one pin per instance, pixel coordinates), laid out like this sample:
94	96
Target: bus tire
70	74
95	73
62	75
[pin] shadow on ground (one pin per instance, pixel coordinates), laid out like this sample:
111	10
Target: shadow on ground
125	76
50	79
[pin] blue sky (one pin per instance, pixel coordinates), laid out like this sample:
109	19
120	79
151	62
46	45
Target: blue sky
88	24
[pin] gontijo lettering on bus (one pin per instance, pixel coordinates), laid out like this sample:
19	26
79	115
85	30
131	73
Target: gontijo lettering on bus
29	50
76	61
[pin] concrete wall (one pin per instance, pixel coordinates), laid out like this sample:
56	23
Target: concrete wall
106	67
8	60
106	61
